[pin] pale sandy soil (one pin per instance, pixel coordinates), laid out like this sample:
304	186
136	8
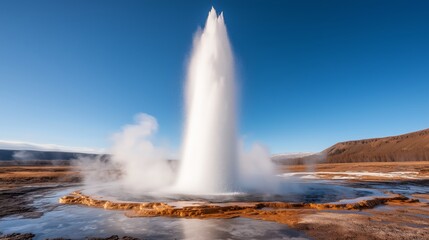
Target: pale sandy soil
18	176
361	171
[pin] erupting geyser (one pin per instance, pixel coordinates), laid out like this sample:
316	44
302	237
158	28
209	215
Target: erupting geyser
212	159
209	160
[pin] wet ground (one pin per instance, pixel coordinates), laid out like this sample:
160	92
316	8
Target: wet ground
32	207
55	220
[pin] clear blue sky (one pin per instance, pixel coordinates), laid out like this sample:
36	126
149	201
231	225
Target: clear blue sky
312	73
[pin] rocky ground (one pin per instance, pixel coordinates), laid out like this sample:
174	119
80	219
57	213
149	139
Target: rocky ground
393	217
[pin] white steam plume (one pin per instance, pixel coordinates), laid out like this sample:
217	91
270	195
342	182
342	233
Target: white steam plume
135	164
257	171
144	166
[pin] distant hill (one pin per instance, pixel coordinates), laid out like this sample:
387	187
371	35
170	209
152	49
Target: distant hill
407	147
24	155
292	158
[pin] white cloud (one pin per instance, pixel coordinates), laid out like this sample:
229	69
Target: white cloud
17	145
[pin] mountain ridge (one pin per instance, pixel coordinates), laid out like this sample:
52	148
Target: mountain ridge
413	146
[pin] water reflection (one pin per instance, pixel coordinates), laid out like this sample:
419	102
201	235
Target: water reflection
78	222
315	192
237	228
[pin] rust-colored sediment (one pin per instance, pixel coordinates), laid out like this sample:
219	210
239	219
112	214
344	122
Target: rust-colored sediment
282	212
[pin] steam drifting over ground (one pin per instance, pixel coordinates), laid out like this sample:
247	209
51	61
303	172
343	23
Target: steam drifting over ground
138	166
144	165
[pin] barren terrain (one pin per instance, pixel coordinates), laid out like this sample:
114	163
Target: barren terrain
396	216
377	171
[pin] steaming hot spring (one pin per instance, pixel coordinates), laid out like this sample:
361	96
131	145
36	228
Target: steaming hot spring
216	176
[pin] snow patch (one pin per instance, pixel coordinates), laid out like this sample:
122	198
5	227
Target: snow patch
350	175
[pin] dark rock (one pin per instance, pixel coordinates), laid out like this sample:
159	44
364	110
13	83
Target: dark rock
17	236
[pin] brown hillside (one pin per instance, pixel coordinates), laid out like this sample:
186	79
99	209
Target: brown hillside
407	147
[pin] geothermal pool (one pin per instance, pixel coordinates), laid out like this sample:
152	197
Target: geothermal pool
75	221
293	191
